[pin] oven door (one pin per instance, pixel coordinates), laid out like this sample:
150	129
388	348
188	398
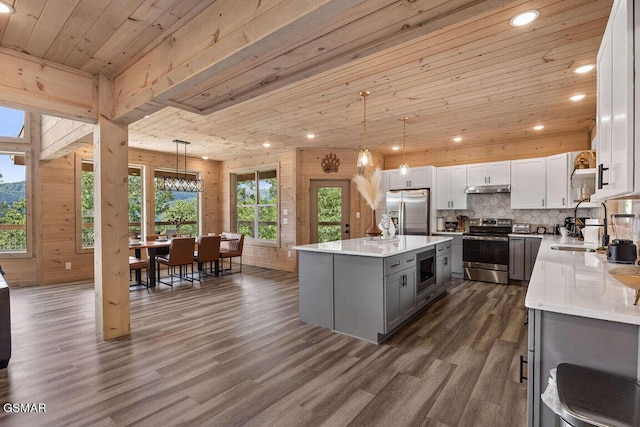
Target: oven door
489	252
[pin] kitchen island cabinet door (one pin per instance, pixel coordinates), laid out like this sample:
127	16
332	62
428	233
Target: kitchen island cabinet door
392	311
408	294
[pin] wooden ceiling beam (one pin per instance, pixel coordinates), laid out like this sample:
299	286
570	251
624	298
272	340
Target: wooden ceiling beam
63	136
37	85
213	41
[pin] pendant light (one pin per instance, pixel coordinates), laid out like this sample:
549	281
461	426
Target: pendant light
178	183
364	156
404	166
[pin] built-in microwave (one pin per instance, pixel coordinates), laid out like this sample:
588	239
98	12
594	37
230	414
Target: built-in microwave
426	270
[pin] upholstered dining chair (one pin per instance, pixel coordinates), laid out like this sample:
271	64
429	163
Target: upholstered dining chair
180	255
135	265
208	252
231	249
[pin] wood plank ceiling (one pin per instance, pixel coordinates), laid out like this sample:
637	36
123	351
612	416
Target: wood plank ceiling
453	67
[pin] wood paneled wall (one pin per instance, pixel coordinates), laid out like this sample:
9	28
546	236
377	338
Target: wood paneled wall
511	150
255	253
309	167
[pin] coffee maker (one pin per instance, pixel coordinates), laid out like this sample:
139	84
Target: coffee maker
622	250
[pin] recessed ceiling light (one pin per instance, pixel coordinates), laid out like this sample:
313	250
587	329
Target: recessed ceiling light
578	97
205	158
5	8
266	144
584	69
457	139
524	18
311	135
538	127
395	148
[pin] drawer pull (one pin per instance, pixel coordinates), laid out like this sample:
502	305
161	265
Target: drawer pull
395	265
522	362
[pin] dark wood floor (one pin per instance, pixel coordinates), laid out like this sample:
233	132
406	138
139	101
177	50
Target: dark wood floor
232	352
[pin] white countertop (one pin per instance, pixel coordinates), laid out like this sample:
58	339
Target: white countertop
539	236
578	283
374	248
447	233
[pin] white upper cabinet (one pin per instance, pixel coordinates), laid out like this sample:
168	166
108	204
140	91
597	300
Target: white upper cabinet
494	173
450	186
557	182
528	183
419	177
615	105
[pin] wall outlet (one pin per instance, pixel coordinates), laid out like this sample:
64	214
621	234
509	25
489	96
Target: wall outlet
285	212
357	214
289	254
285	221
67	266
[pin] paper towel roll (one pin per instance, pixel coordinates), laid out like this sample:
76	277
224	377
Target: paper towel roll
591	234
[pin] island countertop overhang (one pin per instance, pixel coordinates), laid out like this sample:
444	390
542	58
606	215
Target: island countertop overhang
365	246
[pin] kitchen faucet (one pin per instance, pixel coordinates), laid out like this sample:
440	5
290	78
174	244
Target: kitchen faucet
576	232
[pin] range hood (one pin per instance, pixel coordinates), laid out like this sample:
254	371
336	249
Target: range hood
484	189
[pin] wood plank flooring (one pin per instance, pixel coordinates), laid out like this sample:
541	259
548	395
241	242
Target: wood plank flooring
231	351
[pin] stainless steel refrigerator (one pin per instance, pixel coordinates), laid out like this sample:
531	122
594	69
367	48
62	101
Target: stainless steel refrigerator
409	210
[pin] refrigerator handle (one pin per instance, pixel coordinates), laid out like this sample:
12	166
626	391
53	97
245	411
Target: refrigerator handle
401	218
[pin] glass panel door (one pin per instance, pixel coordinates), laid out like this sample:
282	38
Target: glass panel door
329	210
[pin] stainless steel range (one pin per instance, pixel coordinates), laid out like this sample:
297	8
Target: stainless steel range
485	250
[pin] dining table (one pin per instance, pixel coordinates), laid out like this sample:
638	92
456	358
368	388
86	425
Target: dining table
152	247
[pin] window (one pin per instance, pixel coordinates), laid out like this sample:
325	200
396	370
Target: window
257	204
176	210
86	202
13	203
11	123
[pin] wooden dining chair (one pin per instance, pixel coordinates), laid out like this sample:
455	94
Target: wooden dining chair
231	249
208	252
137	265
180	255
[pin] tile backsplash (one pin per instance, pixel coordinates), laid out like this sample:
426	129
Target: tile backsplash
498	205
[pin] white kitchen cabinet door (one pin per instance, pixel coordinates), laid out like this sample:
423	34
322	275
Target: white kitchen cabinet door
458	183
477	175
615	112
558	182
528	184
494	173
419	177
499	173
443	188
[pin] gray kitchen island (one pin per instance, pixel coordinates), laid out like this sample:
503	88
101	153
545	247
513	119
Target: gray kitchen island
369	288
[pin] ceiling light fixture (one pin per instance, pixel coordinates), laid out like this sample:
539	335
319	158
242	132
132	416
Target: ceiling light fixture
395	148
364	156
177	182
538	127
205	158
584	69
5	8
457	139
578	97
311	135
524	18
266	144
404	166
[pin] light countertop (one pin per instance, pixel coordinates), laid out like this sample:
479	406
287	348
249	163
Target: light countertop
374	248
578	283
539	236
447	233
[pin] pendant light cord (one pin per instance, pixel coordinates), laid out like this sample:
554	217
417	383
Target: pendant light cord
364	95
404	138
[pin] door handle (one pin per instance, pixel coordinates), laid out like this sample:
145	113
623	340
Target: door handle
563	201
601	170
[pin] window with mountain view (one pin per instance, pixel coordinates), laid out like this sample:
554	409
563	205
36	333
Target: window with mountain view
13	205
175	210
87	204
257	204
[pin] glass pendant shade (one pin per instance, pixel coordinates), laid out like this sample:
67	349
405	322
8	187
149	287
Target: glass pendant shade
364	158
404	168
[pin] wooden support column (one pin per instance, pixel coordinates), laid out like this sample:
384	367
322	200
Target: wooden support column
111	220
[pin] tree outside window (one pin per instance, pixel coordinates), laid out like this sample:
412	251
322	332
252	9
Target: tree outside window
87	203
175	210
13	205
257	204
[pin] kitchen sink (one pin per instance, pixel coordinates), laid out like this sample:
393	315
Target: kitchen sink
572	248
